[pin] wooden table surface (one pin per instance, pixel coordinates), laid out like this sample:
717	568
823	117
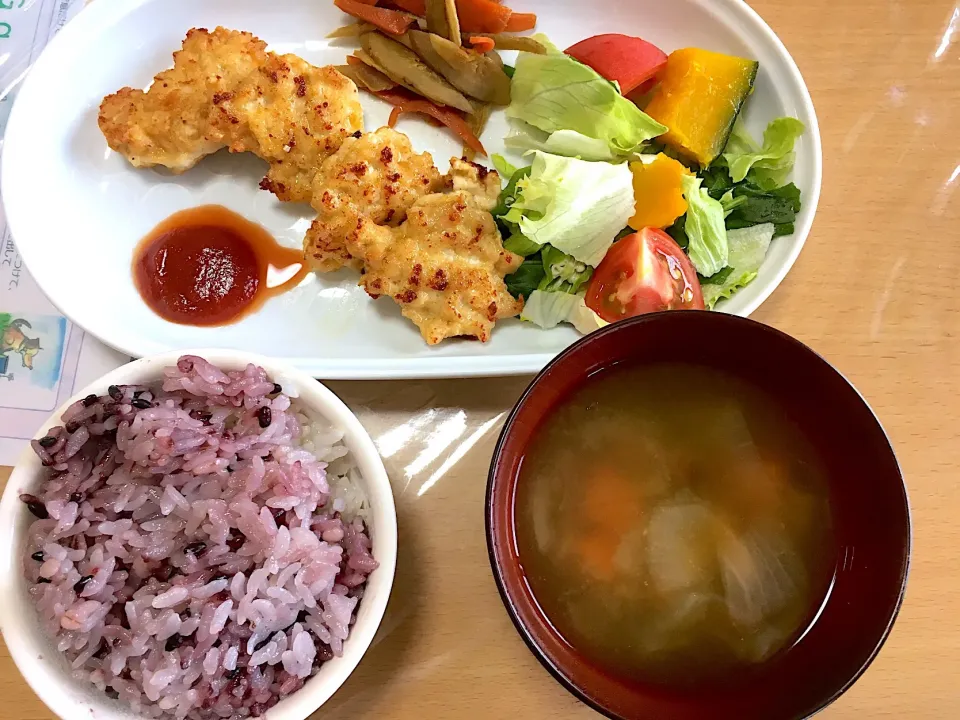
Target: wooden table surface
875	291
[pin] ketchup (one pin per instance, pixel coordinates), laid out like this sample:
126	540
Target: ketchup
210	266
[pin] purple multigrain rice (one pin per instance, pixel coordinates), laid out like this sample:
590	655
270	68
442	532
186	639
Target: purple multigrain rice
189	558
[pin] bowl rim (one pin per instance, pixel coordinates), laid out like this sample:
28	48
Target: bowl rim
492	551
51	683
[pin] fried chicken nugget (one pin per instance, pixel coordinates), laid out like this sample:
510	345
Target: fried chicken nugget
482	183
444	266
377	176
226	90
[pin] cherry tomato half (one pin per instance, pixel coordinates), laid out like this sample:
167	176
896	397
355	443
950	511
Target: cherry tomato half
644	272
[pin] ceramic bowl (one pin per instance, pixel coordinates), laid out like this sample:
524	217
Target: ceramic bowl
46	670
870	517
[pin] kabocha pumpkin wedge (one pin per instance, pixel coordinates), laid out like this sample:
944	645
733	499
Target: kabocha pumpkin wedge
699	97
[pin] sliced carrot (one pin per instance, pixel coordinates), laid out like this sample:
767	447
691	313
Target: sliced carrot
519	22
417	7
611	500
368	2
597	551
394	116
390	21
482	16
481	43
406	102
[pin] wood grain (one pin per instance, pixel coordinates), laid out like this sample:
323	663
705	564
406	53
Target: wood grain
874	291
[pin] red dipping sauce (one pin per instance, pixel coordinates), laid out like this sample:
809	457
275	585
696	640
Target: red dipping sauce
210	266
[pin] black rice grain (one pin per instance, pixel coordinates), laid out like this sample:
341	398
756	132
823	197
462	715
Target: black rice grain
236	540
196	548
35	506
80	584
265	416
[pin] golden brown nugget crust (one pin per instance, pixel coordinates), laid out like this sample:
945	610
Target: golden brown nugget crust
444	266
226	90
377	176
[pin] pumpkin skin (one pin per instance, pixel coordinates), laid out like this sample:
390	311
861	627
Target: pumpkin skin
698	99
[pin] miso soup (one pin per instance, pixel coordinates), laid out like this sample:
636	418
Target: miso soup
674	524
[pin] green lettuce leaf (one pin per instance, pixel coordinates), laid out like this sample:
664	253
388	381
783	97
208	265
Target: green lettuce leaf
584	319
767	166
574	205
521	245
563	142
508	196
554	92
747	249
548	309
503	166
704	228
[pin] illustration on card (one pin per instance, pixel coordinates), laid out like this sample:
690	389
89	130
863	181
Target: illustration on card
31	348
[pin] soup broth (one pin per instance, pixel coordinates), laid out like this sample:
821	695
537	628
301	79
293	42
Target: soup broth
673	524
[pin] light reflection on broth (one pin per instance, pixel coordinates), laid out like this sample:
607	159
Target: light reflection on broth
673	524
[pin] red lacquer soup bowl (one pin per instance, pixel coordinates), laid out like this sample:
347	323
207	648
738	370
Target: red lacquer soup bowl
868	501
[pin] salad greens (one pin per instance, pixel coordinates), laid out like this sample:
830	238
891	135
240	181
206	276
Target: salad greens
549	309
562	142
549	270
564	211
760	198
767	166
545	267
555	93
521	245
562	273
748	247
526	278
746	204
574	205
704	228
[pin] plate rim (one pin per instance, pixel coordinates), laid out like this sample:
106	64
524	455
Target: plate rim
100	16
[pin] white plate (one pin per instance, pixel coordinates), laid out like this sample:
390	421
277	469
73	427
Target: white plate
77	210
